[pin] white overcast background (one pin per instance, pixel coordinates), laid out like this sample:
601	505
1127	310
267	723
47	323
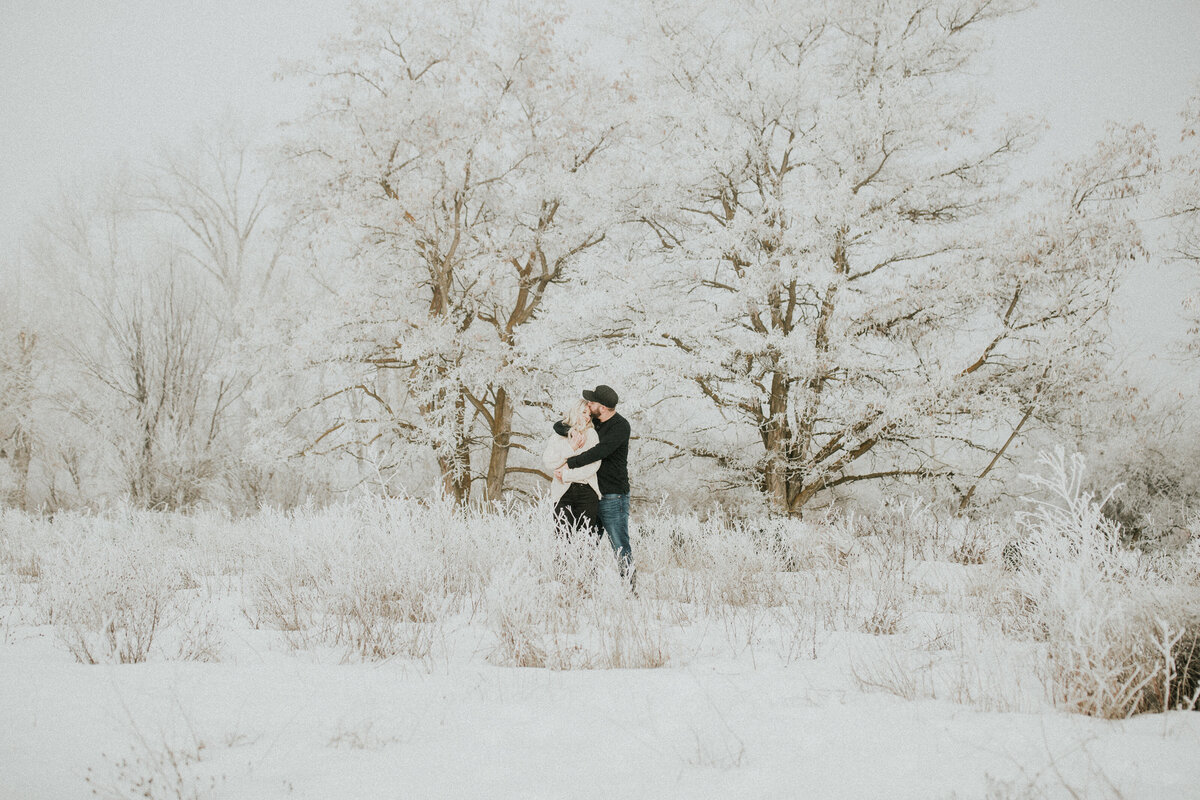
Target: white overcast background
84	83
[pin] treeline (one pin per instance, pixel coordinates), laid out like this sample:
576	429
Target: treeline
782	231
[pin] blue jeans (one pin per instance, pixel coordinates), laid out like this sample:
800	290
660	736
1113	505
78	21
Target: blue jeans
614	517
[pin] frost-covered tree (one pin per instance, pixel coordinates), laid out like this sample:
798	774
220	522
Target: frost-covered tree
1050	276
1182	207
147	284
461	164
846	276
214	201
135	348
223	220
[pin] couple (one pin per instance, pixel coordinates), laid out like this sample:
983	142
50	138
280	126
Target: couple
588	456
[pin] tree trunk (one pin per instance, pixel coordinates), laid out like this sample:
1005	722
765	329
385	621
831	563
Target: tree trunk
456	468
502	414
801	446
778	441
803	495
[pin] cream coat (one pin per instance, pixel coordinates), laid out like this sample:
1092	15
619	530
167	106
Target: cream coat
558	450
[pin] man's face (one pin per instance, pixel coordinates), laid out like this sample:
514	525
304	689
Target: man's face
594	408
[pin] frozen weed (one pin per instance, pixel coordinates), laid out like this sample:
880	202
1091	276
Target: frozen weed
384	598
158	768
722	750
1068	770
799	624
631	637
287	601
362	736
29	568
520	623
891	670
199	636
958	671
886	616
973	547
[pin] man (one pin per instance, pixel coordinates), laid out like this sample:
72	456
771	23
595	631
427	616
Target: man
613	454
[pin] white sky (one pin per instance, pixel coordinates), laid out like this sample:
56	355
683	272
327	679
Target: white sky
87	82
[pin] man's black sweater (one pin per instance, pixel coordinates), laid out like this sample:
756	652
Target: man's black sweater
612	453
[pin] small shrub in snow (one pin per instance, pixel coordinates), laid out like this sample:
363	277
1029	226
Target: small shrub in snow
519	621
199	636
886	616
110	597
362	579
631	636
1104	610
716	563
1184	688
974	547
286	597
362	736
564	606
383	600
901	674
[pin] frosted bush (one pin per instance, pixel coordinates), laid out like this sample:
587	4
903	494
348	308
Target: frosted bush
714	563
563	605
1109	630
19	544
520	619
379	578
291	577
385	595
1110	620
110	596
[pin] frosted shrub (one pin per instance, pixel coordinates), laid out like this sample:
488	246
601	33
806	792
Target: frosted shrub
520	619
385	596
21	571
743	568
287	592
1111	623
882	570
535	604
110	596
562	605
379	577
631	636
857	579
158	767
717	563
333	577
470	545
18	545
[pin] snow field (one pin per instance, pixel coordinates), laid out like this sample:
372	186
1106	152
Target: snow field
393	648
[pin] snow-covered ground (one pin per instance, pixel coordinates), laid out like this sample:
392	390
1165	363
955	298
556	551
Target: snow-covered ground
377	650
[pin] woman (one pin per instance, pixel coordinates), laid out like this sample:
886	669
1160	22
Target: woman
576	492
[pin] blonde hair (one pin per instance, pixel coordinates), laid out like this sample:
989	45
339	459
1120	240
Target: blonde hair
578	417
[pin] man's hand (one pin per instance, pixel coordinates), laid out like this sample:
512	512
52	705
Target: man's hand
558	474
576	438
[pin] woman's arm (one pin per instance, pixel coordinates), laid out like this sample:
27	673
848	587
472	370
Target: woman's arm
587	471
553	458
